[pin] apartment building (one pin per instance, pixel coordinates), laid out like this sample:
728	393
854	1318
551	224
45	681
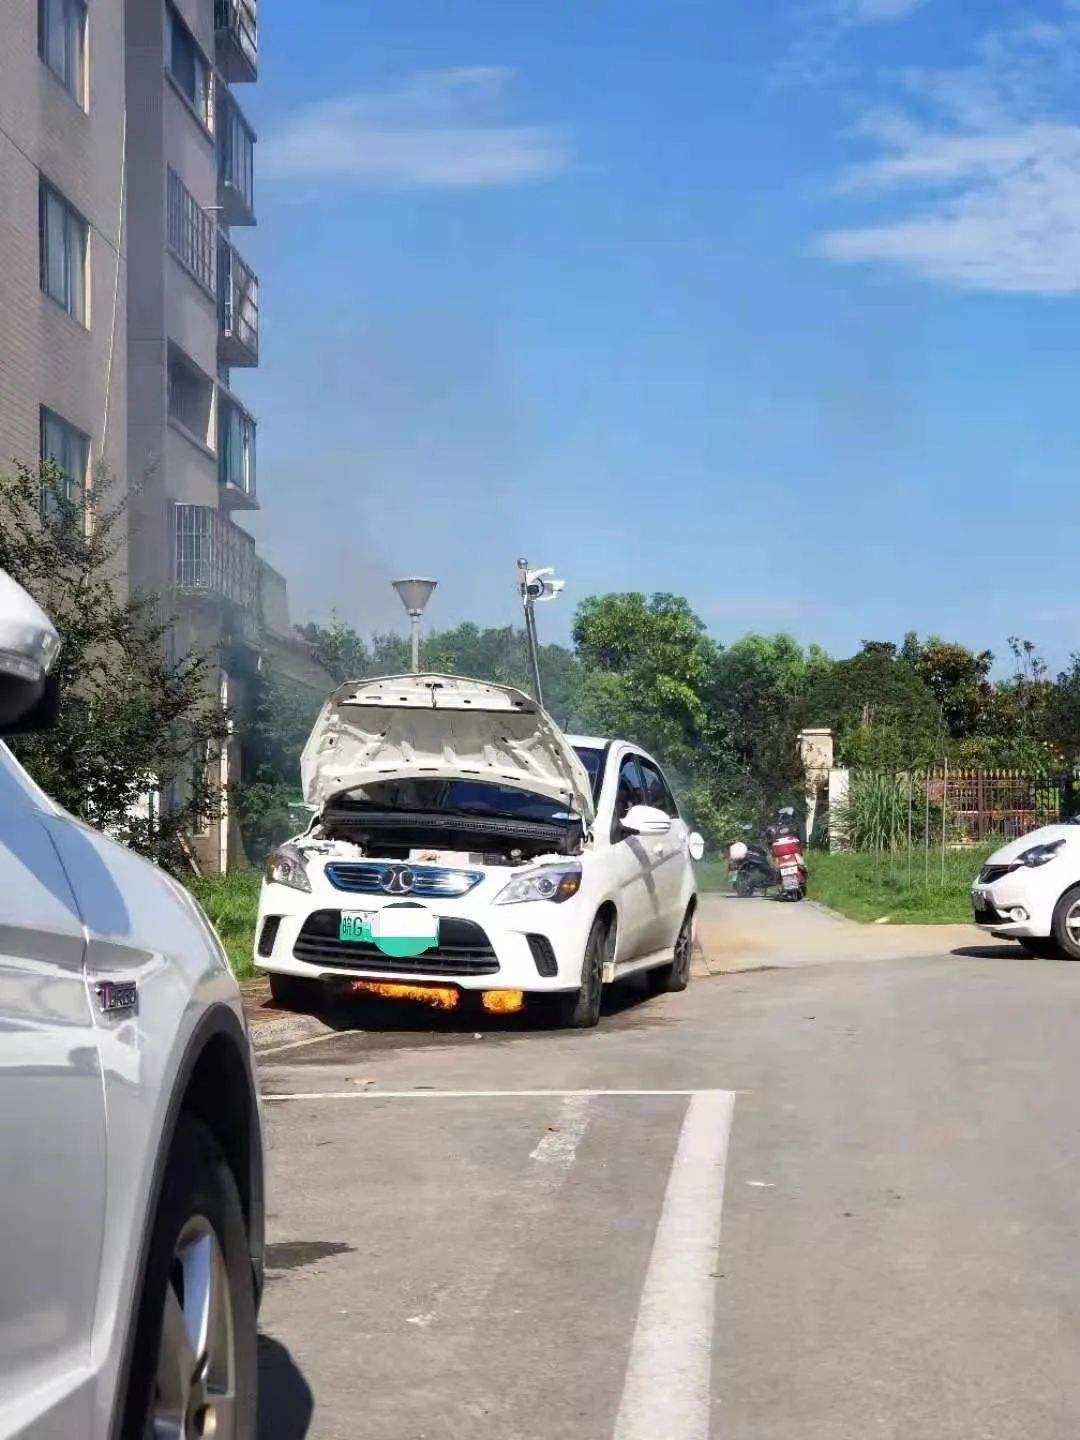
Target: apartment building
193	325
63	284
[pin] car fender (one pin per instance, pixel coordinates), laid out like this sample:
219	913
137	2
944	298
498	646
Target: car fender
219	1024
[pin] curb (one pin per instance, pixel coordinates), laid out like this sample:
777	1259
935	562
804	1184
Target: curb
286	1030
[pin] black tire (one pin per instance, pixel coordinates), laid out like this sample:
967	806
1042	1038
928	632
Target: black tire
295	992
198	1189
580	1009
744	884
670	979
1042	947
1065	927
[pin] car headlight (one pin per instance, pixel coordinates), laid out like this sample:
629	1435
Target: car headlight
285	866
1040	854
553	882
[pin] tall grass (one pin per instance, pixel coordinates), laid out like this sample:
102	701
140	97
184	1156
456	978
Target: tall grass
231	903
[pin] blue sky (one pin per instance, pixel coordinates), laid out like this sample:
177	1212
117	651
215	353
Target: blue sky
774	306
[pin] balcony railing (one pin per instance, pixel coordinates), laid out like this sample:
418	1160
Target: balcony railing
236	453
236	163
236	23
238	307
214	557
192	233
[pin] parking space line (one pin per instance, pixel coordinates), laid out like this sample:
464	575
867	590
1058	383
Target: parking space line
360	1094
667	1387
557	1150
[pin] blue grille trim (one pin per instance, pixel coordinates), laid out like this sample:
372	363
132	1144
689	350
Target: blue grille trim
432	881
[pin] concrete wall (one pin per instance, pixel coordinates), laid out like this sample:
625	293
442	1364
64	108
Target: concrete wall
46	358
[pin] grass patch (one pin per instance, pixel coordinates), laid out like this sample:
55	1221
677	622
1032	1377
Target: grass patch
712	875
232	903
902	886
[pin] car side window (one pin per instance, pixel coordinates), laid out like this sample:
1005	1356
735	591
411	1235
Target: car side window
630	791
657	793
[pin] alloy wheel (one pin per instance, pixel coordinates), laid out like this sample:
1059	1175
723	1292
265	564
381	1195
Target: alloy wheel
1072	923
195	1384
684	947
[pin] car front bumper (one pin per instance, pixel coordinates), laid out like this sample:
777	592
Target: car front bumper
535	946
1017	905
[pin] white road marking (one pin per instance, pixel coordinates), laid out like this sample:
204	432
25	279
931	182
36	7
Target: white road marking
667	1387
472	1094
558	1149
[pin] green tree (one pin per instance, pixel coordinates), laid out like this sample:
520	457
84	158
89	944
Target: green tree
958	679
134	726
645	665
883	714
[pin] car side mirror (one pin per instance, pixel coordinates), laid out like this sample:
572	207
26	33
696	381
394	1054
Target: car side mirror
695	843
29	646
646	820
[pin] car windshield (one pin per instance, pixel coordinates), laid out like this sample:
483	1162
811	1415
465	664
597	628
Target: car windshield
593	759
462	797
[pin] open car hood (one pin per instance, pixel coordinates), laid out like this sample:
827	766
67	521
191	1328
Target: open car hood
442	727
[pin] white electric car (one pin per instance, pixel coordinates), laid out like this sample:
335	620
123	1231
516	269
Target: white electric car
1029	890
131	1191
462	840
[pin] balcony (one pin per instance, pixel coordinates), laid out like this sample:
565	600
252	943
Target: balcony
238	307
236	163
191	233
236	453
236	28
213	557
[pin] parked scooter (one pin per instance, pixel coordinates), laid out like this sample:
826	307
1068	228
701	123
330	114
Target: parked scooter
778	864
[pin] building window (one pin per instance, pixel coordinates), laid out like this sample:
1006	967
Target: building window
62	43
192	236
190	397
236	163
188	67
62	238
236	446
69	451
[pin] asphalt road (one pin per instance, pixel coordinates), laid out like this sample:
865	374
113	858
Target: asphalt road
896	1254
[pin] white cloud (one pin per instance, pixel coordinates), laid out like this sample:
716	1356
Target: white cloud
873	12
444	129
984	162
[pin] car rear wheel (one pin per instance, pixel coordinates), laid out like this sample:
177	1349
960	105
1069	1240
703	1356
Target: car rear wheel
580	1009
193	1369
1066	924
667	979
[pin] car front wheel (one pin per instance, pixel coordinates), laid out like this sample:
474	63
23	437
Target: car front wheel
580	1009
193	1369
1066	924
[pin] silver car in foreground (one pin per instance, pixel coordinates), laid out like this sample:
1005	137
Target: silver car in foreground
131	1190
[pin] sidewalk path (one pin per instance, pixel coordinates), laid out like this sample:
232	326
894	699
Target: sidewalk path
736	934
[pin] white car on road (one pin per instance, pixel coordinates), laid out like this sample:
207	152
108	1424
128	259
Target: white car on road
1029	890
131	1177
461	840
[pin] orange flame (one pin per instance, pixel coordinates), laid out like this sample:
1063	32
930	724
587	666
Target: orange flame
439	997
503	1002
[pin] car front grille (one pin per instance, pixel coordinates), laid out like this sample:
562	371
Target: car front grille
463	949
377	878
989	873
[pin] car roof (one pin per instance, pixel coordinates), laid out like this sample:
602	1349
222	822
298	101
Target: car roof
596	742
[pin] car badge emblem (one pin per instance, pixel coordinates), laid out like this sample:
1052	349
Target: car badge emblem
117	996
398	881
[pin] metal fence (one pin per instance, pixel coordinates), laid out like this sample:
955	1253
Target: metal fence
873	810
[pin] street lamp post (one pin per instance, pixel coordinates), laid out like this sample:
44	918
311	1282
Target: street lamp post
414	594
